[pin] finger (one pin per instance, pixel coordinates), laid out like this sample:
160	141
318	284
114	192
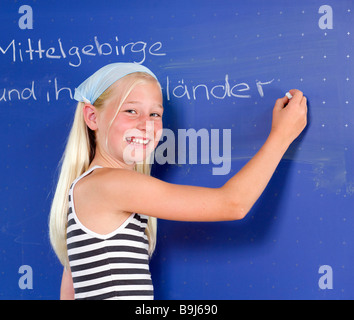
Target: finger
294	91
297	95
304	103
281	102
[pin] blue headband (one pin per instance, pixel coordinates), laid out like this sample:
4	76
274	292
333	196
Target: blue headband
101	80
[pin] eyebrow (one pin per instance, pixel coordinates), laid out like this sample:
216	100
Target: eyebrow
138	102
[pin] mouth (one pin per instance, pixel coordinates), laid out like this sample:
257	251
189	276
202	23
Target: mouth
137	141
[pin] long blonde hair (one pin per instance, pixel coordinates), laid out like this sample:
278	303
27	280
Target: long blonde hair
79	153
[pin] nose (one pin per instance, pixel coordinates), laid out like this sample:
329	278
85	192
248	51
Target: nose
142	123
146	126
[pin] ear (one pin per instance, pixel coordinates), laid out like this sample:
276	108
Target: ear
90	116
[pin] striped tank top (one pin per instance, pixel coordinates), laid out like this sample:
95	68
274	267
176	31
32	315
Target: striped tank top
112	266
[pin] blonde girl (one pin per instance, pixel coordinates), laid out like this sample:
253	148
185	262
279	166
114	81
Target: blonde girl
103	216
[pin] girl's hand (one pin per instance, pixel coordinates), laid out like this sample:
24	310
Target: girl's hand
288	122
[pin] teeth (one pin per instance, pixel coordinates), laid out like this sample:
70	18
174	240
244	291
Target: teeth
137	140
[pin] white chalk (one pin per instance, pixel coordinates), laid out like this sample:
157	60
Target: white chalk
288	94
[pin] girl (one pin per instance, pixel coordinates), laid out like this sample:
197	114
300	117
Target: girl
103	216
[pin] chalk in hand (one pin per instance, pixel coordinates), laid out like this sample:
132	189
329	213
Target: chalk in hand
288	94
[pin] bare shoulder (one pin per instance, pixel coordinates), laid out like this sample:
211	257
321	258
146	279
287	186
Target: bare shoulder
103	179
125	179
109	187
94	203
99	177
97	186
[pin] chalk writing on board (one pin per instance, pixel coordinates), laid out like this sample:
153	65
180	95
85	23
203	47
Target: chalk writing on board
36	49
56	90
18	94
219	91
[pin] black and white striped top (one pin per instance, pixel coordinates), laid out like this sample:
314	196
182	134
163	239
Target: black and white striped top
112	266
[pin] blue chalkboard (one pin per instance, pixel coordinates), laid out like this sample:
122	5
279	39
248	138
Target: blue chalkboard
222	64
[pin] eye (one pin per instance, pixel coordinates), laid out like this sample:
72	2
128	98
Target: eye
131	111
155	115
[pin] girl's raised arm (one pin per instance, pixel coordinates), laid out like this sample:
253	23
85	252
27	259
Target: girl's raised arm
133	192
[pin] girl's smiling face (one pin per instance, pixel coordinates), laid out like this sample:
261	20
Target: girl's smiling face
136	130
